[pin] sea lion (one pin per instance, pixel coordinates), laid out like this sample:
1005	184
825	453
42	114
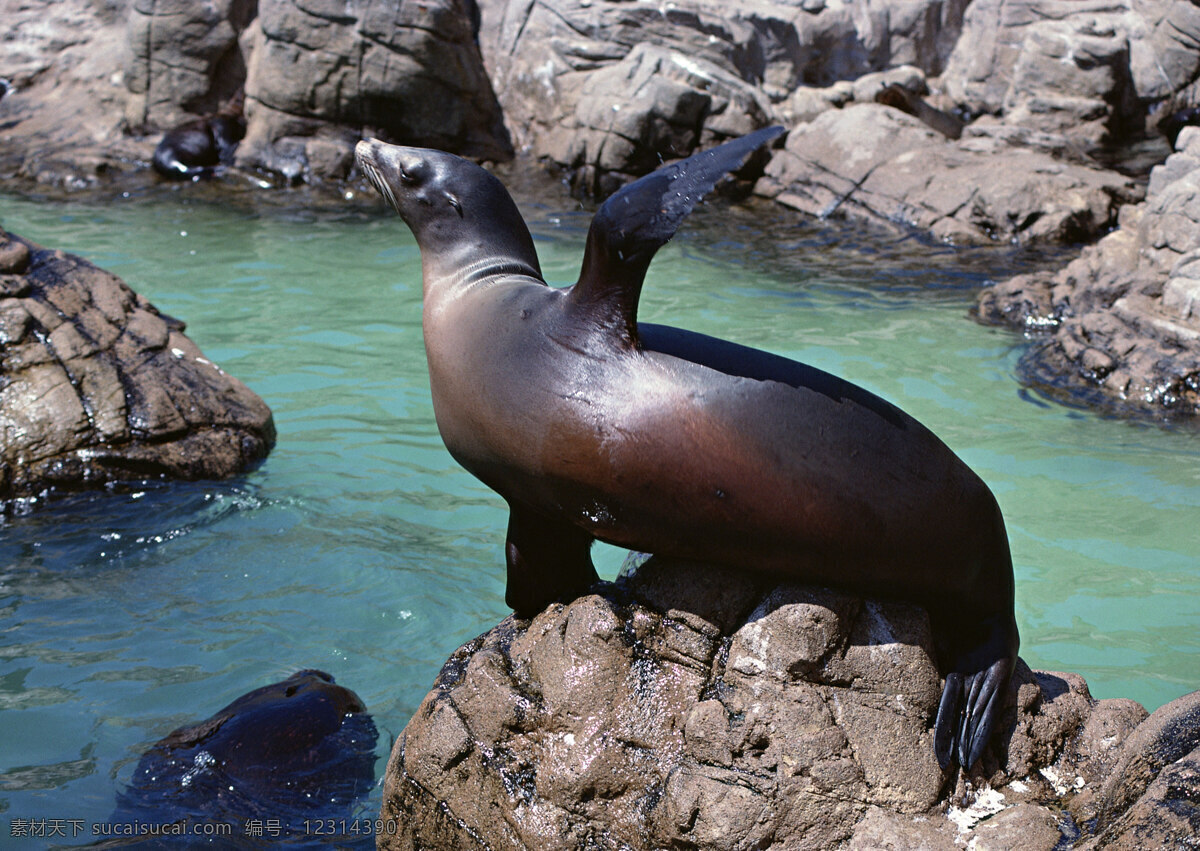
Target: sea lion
301	749
196	148
592	425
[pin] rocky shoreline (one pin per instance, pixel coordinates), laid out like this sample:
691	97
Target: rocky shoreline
705	710
1122	320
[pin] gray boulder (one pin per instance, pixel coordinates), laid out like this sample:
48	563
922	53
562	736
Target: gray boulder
1122	321
97	386
316	74
606	87
183	58
690	706
873	162
323	73
64	110
1084	71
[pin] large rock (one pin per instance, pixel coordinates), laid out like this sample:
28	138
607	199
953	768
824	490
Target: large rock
701	708
323	73
97	386
873	162
1122	322
184	58
1087	71
605	86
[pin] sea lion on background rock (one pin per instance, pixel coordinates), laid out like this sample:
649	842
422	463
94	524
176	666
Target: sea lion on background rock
301	749
595	426
196	148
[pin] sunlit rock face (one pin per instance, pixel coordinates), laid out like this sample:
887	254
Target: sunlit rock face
606	87
321	75
873	163
694	707
96	386
1085	72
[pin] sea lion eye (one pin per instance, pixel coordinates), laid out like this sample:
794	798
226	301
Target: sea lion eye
405	177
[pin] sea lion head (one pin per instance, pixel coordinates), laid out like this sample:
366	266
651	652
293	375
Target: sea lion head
459	212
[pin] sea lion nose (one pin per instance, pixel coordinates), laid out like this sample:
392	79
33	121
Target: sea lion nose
364	151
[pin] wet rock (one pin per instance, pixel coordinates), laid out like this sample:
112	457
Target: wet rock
1086	72
294	751
1120	325
1170	734
97	386
872	162
321	75
607	87
689	706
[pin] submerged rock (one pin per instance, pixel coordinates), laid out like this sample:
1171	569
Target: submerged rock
97	386
1122	321
690	706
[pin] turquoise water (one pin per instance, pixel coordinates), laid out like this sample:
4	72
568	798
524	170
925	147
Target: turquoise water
359	547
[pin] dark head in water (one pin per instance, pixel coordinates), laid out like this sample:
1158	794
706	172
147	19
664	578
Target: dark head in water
303	748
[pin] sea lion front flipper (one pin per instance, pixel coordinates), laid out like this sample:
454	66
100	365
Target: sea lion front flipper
547	560
973	696
642	217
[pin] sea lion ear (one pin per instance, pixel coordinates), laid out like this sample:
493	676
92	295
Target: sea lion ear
453	202
642	217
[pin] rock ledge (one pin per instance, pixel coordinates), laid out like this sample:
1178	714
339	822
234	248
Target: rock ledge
692	707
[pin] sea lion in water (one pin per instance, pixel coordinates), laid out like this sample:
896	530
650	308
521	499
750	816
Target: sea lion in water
196	148
592	425
301	749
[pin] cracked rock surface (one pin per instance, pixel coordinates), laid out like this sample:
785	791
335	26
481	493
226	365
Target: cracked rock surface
871	162
97	386
322	74
695	707
606	87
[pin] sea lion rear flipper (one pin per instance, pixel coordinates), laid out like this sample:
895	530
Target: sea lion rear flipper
973	697
642	217
547	560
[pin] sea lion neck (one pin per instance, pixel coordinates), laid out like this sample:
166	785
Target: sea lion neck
463	218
